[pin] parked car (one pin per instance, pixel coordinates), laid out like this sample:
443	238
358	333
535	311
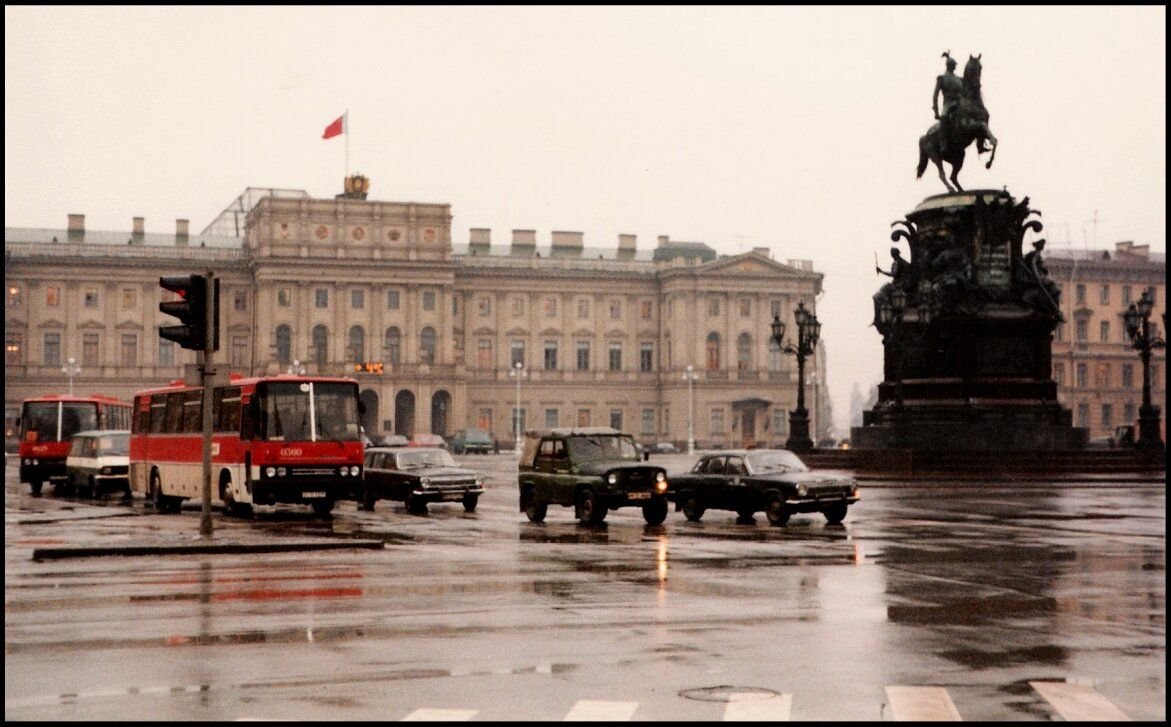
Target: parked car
393	440
417	476
427	440
591	469
98	462
748	481
472	441
665	448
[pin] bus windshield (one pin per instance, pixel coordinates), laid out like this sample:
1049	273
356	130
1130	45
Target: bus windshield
40	420
301	411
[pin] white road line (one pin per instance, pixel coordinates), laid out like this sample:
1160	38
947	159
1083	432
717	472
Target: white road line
921	704
590	711
440	715
754	707
1079	703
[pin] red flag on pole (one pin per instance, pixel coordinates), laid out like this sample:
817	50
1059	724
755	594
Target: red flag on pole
337	127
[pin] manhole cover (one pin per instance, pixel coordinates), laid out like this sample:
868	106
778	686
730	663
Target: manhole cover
727	693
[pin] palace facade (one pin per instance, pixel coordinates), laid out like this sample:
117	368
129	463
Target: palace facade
602	336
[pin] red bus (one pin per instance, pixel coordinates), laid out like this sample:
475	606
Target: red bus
275	439
46	425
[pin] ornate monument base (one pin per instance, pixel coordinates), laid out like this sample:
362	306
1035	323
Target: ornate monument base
967	327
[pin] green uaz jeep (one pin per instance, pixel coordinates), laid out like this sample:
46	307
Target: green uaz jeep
592	469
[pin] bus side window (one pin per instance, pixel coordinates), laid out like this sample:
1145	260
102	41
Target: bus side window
248	421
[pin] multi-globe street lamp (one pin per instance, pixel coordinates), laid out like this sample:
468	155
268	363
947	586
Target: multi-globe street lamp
808	331
297	368
1138	329
690	376
518	372
71	369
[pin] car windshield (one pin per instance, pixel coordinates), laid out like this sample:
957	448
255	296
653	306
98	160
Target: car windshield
415	460
602	446
776	461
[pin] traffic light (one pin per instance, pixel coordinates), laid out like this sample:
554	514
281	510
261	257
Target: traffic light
191	309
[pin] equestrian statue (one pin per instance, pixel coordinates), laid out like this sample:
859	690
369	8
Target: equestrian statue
962	120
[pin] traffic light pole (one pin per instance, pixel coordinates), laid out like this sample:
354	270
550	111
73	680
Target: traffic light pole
206	375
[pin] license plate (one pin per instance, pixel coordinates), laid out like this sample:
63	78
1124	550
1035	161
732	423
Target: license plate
311	495
639	495
453	496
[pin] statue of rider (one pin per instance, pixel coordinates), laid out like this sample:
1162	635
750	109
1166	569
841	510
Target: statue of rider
951	87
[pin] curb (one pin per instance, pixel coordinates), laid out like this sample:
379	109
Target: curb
200	548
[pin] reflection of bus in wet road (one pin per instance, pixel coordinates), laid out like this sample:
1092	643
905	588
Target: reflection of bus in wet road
46	425
279	439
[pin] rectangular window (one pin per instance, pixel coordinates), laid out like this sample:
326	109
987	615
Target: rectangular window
52	349
321	297
550	307
1155	381
646	310
1127	376
646	357
1128	412
518	353
1104	331
616	419
484	353
13	345
240	300
239	351
484	305
129	349
1081	327
780	423
615	356
13	296
166	352
357	299
1060	335
616	310
583	307
1059	374
550	355
1108	416
90	298
551	418
1152	293
1082	378
648	421
518	307
1126	296
129	298
52	296
717	421
583	417
774	308
583	355
89	349
1104	295
745	307
713	307
392	302
484	421
283	298
428	300
454	306
1080	294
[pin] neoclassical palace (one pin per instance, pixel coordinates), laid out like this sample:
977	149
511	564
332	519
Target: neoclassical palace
663	343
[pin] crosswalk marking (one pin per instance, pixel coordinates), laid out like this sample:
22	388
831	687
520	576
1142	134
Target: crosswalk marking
592	711
1078	703
921	704
754	707
440	715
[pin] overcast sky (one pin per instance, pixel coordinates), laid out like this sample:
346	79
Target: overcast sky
790	128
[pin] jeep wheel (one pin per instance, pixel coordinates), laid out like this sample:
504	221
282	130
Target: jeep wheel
368	499
776	511
534	510
589	510
836	512
746	516
693	509
322	508
470	502
36	488
655	511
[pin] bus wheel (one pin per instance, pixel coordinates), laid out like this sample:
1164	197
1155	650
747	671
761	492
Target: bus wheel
234	508
323	508
162	503
36	488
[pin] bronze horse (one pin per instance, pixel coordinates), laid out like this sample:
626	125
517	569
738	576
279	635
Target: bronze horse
969	123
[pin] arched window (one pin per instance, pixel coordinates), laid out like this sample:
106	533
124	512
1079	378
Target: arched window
427	345
713	351
284	345
393	346
320	344
744	352
356	350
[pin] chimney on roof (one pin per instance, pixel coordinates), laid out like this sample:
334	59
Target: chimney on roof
524	242
663	239
137	232
567	244
181	231
76	229
479	240
627	246
1128	249
762	251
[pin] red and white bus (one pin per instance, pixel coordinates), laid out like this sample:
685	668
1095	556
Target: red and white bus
48	422
275	439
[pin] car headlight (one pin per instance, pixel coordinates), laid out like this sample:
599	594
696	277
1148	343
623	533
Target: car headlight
105	470
661	485
802	490
425	481
660	477
854	489
270	471
479	482
612	479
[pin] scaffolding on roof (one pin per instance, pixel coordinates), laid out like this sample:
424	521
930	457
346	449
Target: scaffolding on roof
230	222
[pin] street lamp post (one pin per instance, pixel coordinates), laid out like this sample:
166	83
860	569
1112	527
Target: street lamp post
1138	330
690	376
71	369
808	331
518	372
297	368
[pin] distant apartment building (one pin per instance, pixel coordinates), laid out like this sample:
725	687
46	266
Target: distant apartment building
1098	373
604	336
